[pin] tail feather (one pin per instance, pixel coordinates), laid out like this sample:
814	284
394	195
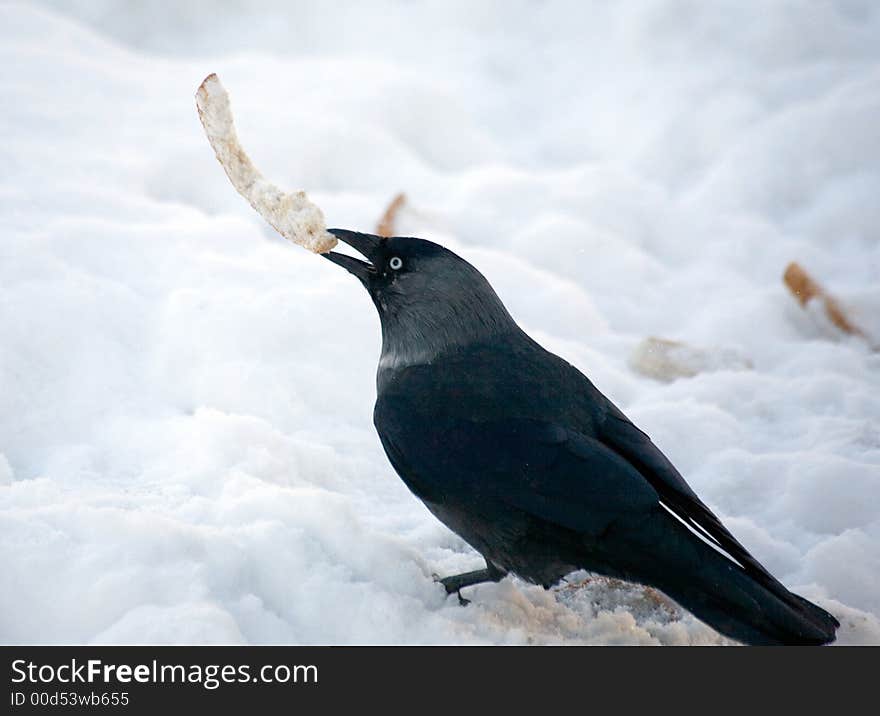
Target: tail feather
732	601
720	592
753	615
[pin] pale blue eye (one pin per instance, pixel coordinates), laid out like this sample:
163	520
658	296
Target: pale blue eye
395	263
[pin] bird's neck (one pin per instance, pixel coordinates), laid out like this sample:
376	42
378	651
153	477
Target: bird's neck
410	340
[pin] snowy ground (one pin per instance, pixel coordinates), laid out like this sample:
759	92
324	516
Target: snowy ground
186	448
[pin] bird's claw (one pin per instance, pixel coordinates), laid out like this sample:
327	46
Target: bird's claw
450	589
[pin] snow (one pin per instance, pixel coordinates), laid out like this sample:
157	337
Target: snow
186	447
293	215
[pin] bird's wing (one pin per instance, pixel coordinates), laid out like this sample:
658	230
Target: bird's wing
539	468
626	440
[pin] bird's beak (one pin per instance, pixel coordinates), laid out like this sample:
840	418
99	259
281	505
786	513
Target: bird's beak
365	244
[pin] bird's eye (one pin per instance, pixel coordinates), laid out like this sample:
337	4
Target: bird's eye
395	263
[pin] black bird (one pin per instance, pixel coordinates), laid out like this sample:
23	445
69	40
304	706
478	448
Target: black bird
517	452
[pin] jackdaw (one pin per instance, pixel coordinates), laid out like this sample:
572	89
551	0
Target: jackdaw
516	451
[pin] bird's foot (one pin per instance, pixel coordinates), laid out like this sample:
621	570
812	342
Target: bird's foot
456	582
461	600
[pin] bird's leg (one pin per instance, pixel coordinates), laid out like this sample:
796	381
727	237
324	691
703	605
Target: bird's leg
457	582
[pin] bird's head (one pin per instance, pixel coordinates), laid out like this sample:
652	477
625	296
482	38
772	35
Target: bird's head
429	299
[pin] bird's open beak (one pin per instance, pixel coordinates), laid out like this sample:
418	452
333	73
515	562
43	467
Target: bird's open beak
365	244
